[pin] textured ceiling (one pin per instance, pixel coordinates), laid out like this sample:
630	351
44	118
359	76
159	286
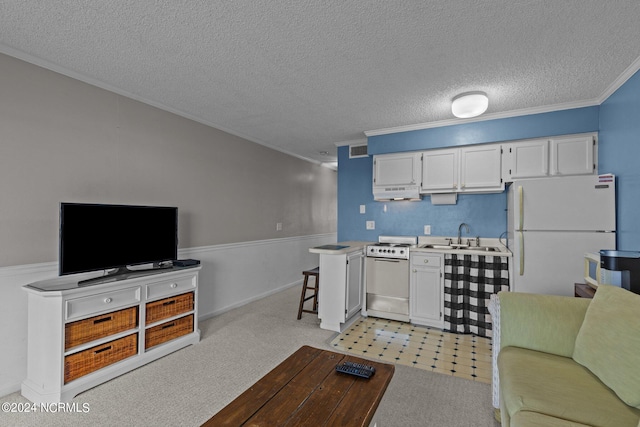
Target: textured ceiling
304	75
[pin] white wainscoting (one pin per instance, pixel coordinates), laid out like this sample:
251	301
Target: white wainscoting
232	275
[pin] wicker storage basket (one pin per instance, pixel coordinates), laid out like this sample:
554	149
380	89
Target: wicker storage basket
169	307
93	328
168	331
84	362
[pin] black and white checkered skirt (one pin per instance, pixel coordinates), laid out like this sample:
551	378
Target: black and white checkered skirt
469	282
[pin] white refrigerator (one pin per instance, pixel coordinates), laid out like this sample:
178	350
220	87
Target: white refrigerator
552	223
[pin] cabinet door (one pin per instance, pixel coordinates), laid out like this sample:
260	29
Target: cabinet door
426	290
527	159
396	169
440	171
354	283
573	155
480	168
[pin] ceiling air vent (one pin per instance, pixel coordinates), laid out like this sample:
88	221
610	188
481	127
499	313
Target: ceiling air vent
356	151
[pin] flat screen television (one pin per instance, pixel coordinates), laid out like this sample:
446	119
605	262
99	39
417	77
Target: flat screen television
101	237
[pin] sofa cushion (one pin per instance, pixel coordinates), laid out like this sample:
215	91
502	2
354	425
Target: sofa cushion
608	342
548	323
536	419
559	387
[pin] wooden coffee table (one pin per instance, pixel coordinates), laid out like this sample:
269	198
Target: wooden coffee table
305	389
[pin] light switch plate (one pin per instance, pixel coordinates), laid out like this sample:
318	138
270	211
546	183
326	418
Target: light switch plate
371	225
427	229
278	226
363	209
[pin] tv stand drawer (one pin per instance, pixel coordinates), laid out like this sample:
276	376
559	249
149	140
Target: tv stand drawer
93	328
170	287
84	362
101	303
169	307
168	331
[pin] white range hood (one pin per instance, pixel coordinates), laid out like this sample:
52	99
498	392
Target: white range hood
396	192
397	176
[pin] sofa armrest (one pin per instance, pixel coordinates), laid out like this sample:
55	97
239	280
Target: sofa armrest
547	323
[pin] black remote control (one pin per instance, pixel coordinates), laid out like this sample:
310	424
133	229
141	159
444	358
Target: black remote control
358	369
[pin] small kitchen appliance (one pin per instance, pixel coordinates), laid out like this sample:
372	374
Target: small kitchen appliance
595	276
387	277
626	262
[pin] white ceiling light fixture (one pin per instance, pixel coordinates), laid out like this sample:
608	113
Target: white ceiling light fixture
469	104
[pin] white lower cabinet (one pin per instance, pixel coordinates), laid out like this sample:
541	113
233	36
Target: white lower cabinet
341	287
354	286
80	335
426	288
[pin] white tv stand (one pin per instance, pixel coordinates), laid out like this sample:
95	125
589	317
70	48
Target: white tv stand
81	335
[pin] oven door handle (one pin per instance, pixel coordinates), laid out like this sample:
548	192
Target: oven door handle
386	260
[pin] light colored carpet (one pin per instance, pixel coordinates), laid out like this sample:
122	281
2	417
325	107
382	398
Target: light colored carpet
237	348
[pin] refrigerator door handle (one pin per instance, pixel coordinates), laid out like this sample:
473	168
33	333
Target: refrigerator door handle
521	241
521	207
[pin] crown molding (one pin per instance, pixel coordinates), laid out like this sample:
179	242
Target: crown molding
485	117
622	79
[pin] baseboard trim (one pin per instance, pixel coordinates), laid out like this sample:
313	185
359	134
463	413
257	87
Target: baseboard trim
247	301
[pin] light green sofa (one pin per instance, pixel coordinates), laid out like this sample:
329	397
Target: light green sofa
569	361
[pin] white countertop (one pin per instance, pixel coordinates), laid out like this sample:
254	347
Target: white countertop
339	248
484	242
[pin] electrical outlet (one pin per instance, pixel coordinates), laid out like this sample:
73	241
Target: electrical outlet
371	225
363	209
427	229
278	226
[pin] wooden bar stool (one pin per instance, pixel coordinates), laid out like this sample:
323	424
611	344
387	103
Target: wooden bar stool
305	286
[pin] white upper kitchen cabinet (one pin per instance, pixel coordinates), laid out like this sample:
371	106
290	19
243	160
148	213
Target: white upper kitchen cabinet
396	176
543	157
526	159
573	155
480	168
440	171
474	169
396	169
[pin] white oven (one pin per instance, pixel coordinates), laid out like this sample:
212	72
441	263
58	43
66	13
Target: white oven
387	277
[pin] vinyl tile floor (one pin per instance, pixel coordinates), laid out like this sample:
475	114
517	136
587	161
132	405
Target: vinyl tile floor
464	356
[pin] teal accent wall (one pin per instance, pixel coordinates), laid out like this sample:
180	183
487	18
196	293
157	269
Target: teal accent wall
619	153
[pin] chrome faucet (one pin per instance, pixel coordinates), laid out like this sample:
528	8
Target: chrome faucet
460	232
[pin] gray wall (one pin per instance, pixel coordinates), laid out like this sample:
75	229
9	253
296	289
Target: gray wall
64	140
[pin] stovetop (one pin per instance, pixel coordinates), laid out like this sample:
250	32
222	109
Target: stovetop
396	247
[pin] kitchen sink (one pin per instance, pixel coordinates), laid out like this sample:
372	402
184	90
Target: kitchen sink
485	248
462	247
437	246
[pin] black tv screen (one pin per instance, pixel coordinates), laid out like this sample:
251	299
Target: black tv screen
100	236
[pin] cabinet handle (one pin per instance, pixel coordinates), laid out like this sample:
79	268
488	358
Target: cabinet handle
426	261
106	319
169	302
415	271
169	326
102	349
107	300
174	285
